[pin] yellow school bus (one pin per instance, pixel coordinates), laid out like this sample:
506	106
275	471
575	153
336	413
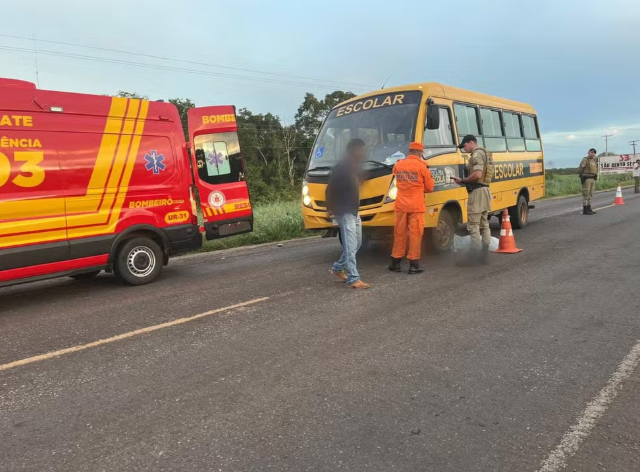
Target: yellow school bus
438	116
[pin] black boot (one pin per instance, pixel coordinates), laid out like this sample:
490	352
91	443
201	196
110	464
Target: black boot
395	265
585	210
485	254
591	212
414	268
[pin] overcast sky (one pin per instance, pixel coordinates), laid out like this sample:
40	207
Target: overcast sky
576	61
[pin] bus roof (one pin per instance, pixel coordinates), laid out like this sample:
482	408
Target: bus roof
436	90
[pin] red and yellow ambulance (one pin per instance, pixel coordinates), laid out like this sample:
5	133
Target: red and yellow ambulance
91	183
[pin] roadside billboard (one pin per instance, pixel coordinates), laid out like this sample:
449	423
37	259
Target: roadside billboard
621	164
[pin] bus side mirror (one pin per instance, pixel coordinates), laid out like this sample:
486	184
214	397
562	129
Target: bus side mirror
433	116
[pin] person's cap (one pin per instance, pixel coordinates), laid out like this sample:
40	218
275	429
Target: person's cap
467	139
416	147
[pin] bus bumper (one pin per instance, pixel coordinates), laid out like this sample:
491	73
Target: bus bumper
379	217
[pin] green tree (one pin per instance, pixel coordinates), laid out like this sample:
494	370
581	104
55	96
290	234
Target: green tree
260	148
183	105
123	94
308	121
275	154
548	167
312	111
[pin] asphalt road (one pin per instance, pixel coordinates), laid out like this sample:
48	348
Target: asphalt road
482	369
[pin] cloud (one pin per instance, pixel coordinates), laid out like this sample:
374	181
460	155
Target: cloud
566	148
591	133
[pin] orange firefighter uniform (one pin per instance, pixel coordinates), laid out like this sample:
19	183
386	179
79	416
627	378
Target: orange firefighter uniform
413	180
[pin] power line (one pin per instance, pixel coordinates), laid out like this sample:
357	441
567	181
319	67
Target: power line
35	59
633	144
167	68
183	61
606	143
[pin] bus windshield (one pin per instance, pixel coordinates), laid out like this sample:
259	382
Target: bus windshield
386	123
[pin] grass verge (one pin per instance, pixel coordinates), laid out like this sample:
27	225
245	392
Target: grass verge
272	222
566	185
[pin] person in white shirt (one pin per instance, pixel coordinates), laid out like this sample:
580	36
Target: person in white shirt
636	176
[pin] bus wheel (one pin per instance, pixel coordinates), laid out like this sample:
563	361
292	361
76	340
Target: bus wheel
442	236
139	261
519	214
86	275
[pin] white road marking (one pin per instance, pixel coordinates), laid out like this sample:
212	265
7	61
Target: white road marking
577	210
572	439
130	334
608	206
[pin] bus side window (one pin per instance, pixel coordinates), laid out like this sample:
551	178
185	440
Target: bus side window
532	139
468	122
492	130
515	141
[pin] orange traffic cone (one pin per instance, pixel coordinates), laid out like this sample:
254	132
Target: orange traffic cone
507	241
619	200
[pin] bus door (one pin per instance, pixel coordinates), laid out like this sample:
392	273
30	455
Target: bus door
219	171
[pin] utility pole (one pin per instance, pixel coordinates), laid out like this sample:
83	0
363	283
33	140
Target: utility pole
606	143
633	145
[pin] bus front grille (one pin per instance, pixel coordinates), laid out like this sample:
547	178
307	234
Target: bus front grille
363	203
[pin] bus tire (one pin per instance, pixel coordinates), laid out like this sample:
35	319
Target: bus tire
139	261
519	214
86	275
441	238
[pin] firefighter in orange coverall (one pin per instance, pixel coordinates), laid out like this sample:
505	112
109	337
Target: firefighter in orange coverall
413	180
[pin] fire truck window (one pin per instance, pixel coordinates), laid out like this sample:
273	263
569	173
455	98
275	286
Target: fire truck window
218	158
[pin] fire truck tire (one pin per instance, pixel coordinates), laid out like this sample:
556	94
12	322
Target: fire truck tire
139	261
86	275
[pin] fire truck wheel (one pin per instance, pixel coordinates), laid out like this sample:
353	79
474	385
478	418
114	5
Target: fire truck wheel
139	261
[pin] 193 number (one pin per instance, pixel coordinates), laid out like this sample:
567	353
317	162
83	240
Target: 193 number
30	174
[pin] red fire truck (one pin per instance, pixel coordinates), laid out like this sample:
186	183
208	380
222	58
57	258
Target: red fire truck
92	183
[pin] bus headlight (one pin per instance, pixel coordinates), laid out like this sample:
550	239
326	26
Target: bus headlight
306	199
393	192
